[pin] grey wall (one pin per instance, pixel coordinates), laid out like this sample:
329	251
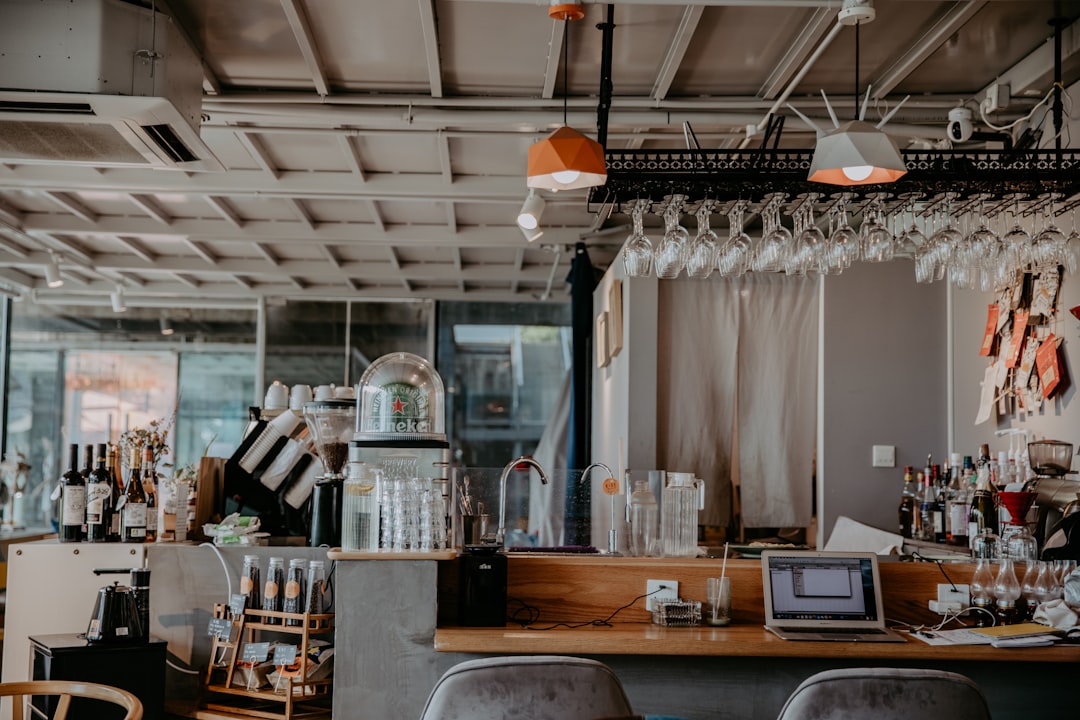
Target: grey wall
884	341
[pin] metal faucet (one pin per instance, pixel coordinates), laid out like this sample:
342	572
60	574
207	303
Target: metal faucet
613	534
500	536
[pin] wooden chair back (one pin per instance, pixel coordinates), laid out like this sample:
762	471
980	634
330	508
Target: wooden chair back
67	689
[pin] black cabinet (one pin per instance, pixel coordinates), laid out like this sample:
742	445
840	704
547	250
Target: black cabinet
138	668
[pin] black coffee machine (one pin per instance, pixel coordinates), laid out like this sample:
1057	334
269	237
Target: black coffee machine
121	613
482	586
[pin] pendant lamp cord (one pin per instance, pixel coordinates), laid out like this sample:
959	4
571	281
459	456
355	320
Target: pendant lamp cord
857	70
565	65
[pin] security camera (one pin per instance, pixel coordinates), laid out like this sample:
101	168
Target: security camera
960	127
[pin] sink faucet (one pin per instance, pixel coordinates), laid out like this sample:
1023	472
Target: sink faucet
613	534
500	536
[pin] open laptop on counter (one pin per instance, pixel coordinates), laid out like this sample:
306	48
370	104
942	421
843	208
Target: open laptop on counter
832	596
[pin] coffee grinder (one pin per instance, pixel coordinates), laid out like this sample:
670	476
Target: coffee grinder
330	423
1051	461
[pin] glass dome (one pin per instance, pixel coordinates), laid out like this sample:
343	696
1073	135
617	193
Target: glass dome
400	397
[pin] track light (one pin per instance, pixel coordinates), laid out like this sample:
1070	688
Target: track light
529	216
117	297
533	234
166	327
52	273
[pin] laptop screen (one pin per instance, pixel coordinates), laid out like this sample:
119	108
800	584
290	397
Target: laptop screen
813	587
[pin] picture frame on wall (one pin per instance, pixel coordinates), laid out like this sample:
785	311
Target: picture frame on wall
615	320
603	357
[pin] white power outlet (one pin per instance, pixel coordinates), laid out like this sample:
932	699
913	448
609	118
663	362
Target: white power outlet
663	589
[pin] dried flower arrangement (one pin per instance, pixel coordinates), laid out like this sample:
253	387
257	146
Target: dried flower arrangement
154	436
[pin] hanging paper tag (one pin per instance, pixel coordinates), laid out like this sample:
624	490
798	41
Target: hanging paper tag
1020	319
1046	359
991	329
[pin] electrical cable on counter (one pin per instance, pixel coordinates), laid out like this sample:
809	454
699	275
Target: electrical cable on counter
604	622
915	554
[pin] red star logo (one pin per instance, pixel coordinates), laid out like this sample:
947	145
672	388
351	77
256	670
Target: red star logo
399	406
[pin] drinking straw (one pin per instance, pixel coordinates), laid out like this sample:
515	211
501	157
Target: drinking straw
723	566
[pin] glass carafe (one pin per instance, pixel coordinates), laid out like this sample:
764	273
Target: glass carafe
644	514
683	496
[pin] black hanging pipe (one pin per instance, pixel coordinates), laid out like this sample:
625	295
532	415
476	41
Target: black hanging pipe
1058	23
606	88
856	110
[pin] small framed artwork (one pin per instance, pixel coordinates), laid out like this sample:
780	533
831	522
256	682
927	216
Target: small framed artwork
603	357
615	321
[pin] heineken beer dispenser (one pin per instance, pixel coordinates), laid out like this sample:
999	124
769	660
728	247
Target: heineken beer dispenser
401	420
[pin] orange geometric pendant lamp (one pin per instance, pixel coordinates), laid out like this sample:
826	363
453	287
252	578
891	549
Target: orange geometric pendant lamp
566	159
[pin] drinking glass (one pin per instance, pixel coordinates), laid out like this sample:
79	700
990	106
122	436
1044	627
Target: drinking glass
670	254
701	255
843	242
717	601
638	251
815	244
1048	247
768	255
878	244
734	256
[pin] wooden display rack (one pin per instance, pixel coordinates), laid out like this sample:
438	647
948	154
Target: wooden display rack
296	696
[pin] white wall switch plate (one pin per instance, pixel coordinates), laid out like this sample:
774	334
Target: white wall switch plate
885	456
670	591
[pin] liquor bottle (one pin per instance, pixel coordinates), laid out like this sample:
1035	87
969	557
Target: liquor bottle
149	481
99	500
983	513
133	517
86	472
73	502
112	466
937	510
908	503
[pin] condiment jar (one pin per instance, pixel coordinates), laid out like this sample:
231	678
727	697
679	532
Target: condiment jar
273	589
295	598
249	582
316	580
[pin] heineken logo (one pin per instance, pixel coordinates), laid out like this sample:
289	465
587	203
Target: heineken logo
399	408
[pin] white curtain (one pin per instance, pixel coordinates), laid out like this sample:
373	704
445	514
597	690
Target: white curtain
547	503
737	393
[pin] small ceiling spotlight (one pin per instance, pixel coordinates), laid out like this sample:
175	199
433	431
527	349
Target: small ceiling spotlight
52	273
529	216
166	327
533	234
117	297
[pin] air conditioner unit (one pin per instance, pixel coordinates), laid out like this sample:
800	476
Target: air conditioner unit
101	83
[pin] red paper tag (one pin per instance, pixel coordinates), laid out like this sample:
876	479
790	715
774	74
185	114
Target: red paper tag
1046	361
1019	329
991	329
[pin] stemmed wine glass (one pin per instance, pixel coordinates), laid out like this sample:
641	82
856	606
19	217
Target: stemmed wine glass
670	255
768	255
813	241
1017	243
701	255
638	251
734	256
1048	247
844	241
878	244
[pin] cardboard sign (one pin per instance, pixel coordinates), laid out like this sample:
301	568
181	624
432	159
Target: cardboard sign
1046	360
1020	321
992	311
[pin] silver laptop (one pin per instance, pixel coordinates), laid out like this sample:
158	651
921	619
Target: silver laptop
824	596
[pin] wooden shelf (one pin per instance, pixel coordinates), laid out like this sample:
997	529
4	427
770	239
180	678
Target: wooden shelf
339	554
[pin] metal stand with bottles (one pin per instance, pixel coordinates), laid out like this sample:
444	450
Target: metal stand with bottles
295	695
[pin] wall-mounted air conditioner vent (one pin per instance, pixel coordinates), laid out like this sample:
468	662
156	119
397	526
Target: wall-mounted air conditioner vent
98	82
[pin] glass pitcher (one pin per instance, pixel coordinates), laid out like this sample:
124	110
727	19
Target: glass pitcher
684	495
644	514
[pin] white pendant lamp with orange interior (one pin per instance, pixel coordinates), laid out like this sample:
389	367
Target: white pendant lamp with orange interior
566	159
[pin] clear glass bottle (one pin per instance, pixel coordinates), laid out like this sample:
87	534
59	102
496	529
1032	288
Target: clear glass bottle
1027	602
982	593
679	515
1006	592
295	600
273	589
644	514
250	583
133	513
149	481
316	587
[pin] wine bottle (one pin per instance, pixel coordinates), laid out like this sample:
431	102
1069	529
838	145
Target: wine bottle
99	500
133	517
112	465
149	481
906	511
984	513
73	500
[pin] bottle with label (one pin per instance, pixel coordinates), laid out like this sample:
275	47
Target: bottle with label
73	500
295	599
983	515
250	583
908	503
133	512
149	482
112	466
99	500
274	588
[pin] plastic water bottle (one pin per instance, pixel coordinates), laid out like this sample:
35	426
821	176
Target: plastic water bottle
644	517
683	496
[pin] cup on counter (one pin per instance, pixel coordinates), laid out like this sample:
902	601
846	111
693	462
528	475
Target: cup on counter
299	395
473	529
717	610
277	396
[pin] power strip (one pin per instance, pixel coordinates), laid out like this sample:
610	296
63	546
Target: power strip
944	607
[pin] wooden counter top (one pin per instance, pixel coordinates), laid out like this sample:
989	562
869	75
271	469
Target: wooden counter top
733	641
